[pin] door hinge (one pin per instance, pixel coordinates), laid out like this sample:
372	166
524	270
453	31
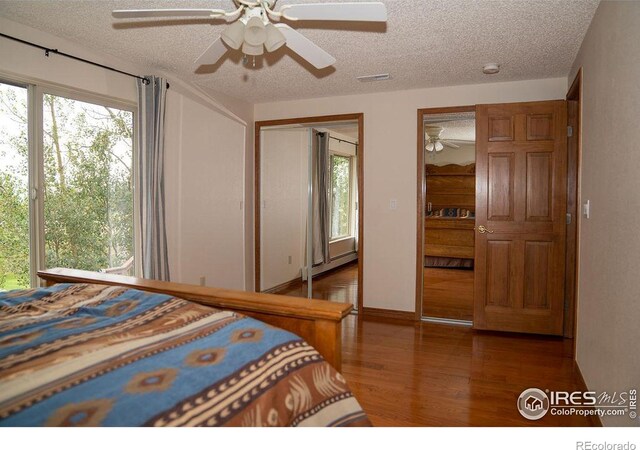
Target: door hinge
569	131
569	218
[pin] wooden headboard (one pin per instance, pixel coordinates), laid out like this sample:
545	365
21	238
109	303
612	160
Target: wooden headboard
319	322
451	186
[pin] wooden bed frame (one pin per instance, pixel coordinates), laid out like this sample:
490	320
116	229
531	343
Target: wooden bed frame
319	322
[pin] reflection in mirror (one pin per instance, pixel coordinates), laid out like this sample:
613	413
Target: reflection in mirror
308	211
449	237
284	175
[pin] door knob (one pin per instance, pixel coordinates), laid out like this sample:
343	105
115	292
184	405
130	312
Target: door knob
482	229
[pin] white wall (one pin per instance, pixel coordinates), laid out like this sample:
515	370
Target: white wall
390	161
205	194
18	60
206	137
608	310
284	179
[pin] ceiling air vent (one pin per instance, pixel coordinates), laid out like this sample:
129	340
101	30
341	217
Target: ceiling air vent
379	77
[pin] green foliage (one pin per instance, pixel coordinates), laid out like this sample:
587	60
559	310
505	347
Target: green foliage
340	195
14	232
88	187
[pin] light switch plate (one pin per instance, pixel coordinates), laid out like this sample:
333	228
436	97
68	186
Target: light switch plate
393	204
586	209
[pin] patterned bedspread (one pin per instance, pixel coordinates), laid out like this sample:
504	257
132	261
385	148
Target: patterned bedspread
93	355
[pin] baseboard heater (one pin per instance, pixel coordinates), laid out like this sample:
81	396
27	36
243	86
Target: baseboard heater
340	261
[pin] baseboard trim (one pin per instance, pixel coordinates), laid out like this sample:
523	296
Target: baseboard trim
596	421
283	286
406	316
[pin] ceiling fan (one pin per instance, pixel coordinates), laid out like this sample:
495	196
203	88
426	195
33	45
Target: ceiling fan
252	31
433	142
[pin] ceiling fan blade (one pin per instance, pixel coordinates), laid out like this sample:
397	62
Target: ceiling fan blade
449	144
305	48
361	12
213	53
142	13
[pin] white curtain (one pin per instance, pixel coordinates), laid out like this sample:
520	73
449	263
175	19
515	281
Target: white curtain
150	182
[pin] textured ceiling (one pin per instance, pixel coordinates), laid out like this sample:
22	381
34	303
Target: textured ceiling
425	43
455	126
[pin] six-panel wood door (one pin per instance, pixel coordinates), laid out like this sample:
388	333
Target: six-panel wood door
521	185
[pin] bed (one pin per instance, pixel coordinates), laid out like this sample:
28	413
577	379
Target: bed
93	349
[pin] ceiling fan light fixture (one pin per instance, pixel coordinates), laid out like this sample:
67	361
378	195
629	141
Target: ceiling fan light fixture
275	38
252	50
233	35
438	146
255	33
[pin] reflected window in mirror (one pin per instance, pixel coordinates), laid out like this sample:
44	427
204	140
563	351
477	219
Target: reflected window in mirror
341	180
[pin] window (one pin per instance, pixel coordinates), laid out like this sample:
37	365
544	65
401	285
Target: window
88	199
82	216
340	196
14	188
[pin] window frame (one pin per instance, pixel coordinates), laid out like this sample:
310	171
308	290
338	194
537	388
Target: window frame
36	89
350	218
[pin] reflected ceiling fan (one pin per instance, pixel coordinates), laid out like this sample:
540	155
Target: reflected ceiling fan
433	142
252	31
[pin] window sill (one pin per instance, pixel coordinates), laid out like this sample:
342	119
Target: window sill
340	239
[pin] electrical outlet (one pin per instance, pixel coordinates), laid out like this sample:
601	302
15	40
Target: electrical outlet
203	280
290	259
393	204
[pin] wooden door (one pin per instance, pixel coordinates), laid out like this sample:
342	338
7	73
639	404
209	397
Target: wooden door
521	195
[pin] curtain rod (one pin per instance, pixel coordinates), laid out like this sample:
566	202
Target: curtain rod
48	51
342	140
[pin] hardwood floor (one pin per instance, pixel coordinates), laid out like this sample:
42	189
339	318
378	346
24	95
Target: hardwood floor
338	285
424	374
448	293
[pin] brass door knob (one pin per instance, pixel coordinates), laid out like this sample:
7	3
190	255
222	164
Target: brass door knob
482	229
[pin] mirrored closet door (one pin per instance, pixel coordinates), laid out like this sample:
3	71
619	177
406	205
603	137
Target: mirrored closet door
449	237
308	211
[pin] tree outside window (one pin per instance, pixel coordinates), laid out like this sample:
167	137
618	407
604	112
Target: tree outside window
340	196
88	185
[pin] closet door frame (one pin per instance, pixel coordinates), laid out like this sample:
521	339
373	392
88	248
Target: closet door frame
358	117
